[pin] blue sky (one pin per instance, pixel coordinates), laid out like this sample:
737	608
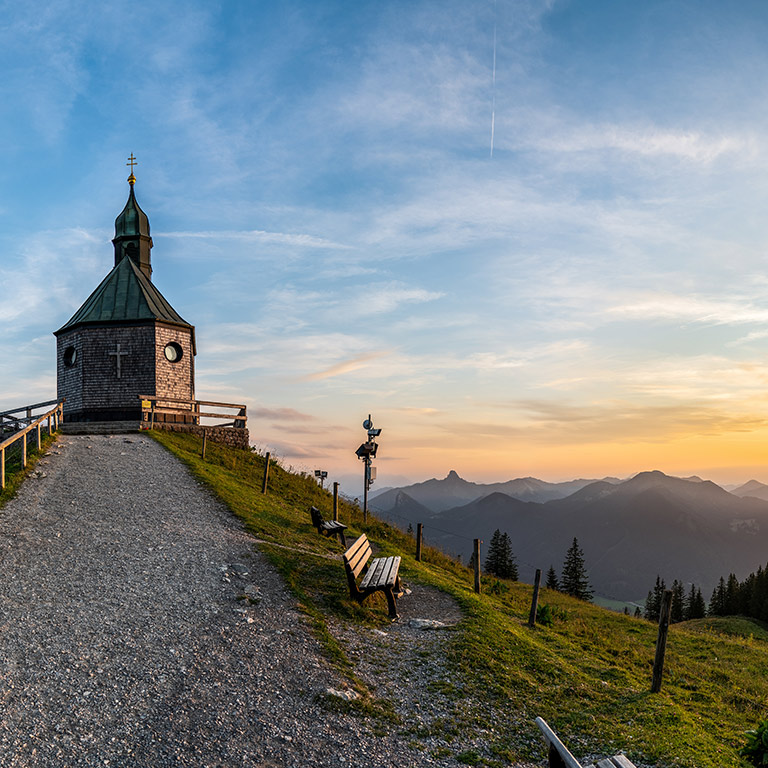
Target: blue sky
590	298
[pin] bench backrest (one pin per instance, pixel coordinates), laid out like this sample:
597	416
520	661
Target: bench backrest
317	518
357	556
557	750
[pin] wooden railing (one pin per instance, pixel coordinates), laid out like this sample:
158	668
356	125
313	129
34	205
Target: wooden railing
54	416
151	406
11	423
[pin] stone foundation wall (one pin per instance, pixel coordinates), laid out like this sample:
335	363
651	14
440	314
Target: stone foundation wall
235	438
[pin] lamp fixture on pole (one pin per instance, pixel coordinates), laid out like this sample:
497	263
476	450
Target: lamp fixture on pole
322	474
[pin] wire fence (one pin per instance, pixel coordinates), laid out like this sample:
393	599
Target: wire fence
470	540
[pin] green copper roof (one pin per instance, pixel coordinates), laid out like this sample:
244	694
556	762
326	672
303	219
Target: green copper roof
132	221
125	295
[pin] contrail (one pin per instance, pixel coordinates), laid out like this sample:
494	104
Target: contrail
493	81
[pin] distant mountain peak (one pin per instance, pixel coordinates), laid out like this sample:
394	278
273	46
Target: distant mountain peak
453	475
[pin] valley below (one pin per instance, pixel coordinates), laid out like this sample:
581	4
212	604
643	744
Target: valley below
688	529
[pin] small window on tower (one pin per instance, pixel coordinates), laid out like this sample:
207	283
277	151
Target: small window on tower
70	356
173	352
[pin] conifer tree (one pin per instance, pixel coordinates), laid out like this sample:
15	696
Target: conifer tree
690	602
731	598
678	602
653	601
492	559
552	582
648	612
500	561
717	601
699	610
573	580
508	561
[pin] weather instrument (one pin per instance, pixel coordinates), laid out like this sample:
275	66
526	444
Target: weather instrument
366	453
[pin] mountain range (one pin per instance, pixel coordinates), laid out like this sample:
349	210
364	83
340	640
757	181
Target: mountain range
630	530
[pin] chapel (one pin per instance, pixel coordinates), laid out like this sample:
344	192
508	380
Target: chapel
126	340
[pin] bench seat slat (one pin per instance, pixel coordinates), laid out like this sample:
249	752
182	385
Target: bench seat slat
381	573
330	525
622	761
373	577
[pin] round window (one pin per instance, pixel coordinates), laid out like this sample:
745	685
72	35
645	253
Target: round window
173	352
70	356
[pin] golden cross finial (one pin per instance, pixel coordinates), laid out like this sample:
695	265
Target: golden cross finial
131	162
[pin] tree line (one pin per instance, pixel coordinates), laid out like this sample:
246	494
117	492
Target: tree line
745	598
730	597
685	605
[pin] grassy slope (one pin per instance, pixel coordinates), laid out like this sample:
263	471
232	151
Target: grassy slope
588	675
14	472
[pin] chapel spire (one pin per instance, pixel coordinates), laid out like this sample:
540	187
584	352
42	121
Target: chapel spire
132	238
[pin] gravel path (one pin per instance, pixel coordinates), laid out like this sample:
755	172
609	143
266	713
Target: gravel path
123	642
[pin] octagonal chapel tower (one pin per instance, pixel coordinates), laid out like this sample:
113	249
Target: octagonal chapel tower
126	340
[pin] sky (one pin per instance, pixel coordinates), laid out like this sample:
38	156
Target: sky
529	238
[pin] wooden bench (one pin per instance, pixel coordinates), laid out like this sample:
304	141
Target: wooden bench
380	575
328	527
560	757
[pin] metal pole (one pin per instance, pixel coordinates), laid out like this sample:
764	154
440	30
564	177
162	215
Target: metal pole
366	475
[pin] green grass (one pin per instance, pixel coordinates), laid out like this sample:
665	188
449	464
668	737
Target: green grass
14	471
588	675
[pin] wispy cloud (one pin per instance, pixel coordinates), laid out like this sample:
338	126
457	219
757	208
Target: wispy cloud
347	366
649	142
281	414
696	309
259	236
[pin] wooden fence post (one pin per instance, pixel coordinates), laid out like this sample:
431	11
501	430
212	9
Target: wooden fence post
535	600
205	444
24	450
477	566
419	534
335	502
2	468
661	641
266	473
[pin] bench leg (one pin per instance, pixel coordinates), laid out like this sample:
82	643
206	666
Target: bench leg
398	588
343	539
391	603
